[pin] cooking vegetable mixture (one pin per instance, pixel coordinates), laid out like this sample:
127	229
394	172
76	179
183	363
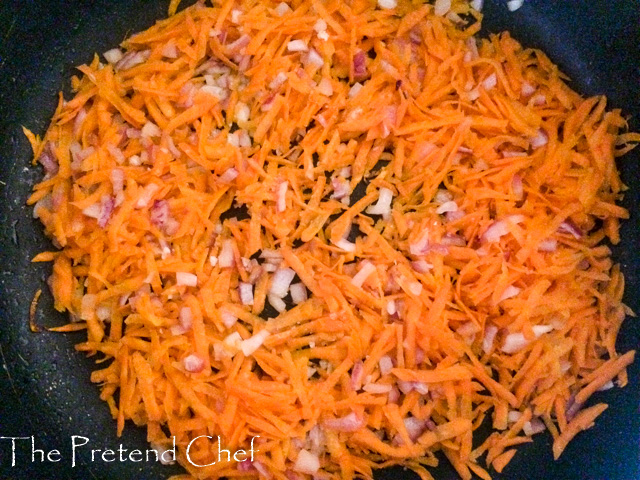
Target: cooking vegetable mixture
353	229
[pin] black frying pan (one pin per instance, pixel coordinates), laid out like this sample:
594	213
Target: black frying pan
44	384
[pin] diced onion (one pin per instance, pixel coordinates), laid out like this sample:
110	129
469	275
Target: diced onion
281	202
548	245
193	363
490	82
353	91
297	46
377	388
325	88
514	5
226	257
346	245
367	268
387	4
228	319
490	332
113	56
277	303
415	288
386	364
540	140
246	293
282	9
441	7
383	205
280	282
150	129
348	423
252	344
450	206
298	293
229	175
307	462
186	279
510	292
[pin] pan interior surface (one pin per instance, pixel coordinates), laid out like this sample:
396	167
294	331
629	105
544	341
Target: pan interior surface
46	390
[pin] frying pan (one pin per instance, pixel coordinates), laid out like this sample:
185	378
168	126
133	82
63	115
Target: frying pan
45	390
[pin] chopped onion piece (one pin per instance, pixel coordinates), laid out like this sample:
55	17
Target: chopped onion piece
421	266
441	7
282	9
325	88
514	5
490	332
514	342
450	206
420	246
228	319
346	245
251	344
297	46
377	388
477	5
387	4
320	25
386	364
383	205
497	230
278	80
113	56
186	279
226	257
391	307
415	288
539	330
281	202
548	245
193	363
535	425
280	282
150	129
233	340
540	140
490	82
229	175
527	89
277	303
510	292
314	58
348	423
513	416
246	293
353	91
298	293
569	227
307	462
607	386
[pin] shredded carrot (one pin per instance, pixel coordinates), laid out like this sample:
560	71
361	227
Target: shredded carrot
358	233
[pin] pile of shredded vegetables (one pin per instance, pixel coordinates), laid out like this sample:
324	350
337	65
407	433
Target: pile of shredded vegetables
352	229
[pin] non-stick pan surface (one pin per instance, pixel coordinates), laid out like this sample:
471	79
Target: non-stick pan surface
44	384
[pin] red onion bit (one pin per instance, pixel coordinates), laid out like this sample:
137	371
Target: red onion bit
161	217
357	375
359	66
106	210
48	160
568	226
193	363
348	423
